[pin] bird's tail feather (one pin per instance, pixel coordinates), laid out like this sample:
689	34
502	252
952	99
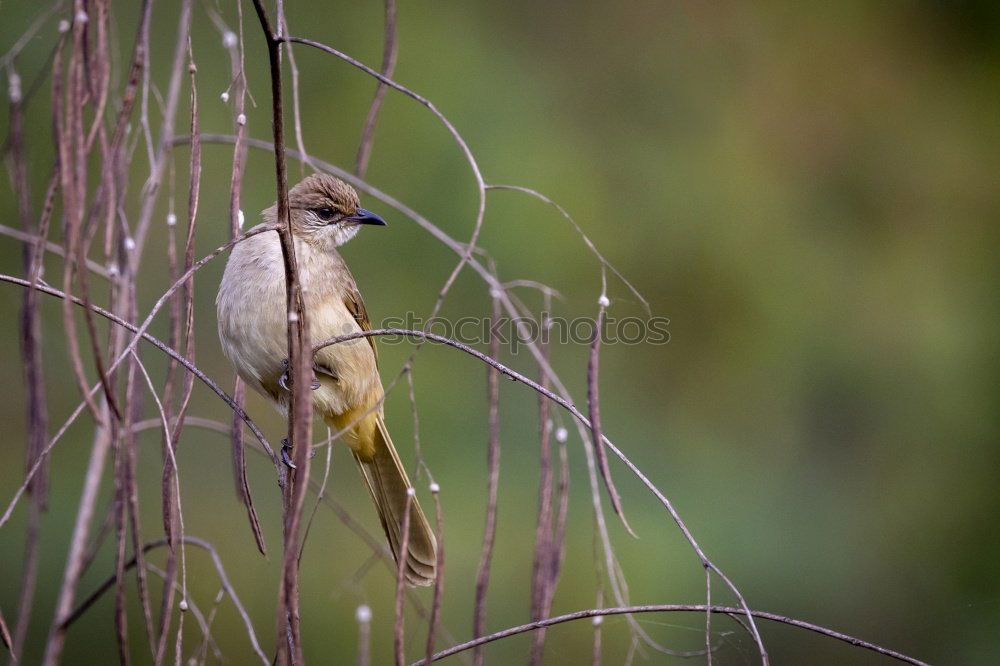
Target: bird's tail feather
387	481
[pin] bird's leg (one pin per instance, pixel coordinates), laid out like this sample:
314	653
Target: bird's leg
285	378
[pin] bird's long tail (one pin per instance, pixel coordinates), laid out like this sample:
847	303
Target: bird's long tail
386	479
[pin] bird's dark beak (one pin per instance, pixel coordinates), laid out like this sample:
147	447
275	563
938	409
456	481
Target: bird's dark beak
365	216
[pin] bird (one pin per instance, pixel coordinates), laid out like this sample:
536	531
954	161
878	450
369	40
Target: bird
324	213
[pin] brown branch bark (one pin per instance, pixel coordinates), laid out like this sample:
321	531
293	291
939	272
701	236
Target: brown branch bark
300	412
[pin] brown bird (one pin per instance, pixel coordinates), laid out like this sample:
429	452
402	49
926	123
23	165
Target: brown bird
325	214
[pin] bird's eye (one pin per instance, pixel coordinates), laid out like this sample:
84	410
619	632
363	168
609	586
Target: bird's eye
325	214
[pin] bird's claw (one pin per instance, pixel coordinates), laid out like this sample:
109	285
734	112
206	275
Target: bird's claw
285	457
285	380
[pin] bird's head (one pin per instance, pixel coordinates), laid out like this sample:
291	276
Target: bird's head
325	210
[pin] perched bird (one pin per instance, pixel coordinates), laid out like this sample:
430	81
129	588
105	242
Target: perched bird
347	390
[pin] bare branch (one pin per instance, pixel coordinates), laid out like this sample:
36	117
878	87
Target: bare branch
678	608
492	487
300	410
389	51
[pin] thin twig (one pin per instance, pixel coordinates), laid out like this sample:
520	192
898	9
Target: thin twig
404	545
687	608
300	409
586	239
389	51
49	246
594	405
492	487
432	625
541	565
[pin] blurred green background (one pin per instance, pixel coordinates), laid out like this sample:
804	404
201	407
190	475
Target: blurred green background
808	191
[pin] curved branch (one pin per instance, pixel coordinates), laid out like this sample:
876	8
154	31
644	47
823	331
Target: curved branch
466	255
684	608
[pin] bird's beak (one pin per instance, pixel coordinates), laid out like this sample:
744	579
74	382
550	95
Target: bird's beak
365	216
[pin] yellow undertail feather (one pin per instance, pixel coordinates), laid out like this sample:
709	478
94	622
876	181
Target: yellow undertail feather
387	481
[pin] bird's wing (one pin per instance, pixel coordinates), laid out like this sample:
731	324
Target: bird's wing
356	306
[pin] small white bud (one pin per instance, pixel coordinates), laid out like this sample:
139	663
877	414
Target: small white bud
129	244
80	17
241	119
561	434
411	491
240	217
14	87
183	605
171	219
229	39
597	620
363	614
112	270
435	488
604	302
63	26
293	316
224	96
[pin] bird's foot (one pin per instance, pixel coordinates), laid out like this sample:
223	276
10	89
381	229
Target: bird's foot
286	449
286	454
285	378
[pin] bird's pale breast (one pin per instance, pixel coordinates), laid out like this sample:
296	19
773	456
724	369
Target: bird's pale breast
253	325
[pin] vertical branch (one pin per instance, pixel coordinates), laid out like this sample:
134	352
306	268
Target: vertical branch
593	401
419	463
114	192
397	633
562	511
299	358
162	154
493	465
389	51
31	354
435	618
233	44
121	465
159	159
65	113
541	569
708	616
296	109
78	541
166	443
72	177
